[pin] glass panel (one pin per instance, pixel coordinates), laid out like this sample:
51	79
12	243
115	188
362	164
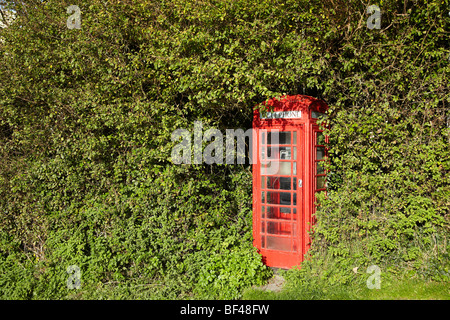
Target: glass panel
269	137
320	152
273	212
263	137
278	213
263	226
295	137
266	167
295	199
283	137
283	198
263	199
283	183
263	211
263	242
284	153
282	244
285	210
294	164
293	216
320	182
271	152
320	138
320	168
285	168
281	228
295	153
263	152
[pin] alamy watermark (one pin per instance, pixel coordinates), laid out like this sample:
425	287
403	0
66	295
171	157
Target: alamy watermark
74	280
74	21
190	149
374	21
374	281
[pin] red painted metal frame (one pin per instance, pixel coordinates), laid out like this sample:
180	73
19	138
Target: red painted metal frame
306	129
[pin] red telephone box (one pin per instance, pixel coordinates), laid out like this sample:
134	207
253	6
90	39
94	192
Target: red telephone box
289	149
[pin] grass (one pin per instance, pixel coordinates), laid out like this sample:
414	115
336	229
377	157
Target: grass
404	289
410	289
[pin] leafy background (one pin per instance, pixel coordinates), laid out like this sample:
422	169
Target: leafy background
86	120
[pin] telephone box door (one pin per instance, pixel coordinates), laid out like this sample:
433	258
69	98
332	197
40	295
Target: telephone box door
278	233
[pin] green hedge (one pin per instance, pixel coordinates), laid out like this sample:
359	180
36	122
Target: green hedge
86	121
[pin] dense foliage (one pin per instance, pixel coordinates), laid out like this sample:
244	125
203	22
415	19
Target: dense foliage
389	145
87	114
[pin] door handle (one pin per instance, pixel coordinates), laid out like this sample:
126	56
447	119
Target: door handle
300	183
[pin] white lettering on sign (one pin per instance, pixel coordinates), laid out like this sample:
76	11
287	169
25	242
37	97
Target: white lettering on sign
282	114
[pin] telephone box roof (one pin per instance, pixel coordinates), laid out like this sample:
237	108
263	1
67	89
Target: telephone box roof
302	103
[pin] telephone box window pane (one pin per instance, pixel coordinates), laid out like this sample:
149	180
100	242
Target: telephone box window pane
268	167
263	210
320	138
320	168
294	165
278	213
269	137
263	199
320	182
283	183
295	137
285	210
280	228
263	226
295	199
271	151
283	153
281	244
320	152
273	212
293	216
283	198
263	137
295	153
283	138
284	168
281	213
263	242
